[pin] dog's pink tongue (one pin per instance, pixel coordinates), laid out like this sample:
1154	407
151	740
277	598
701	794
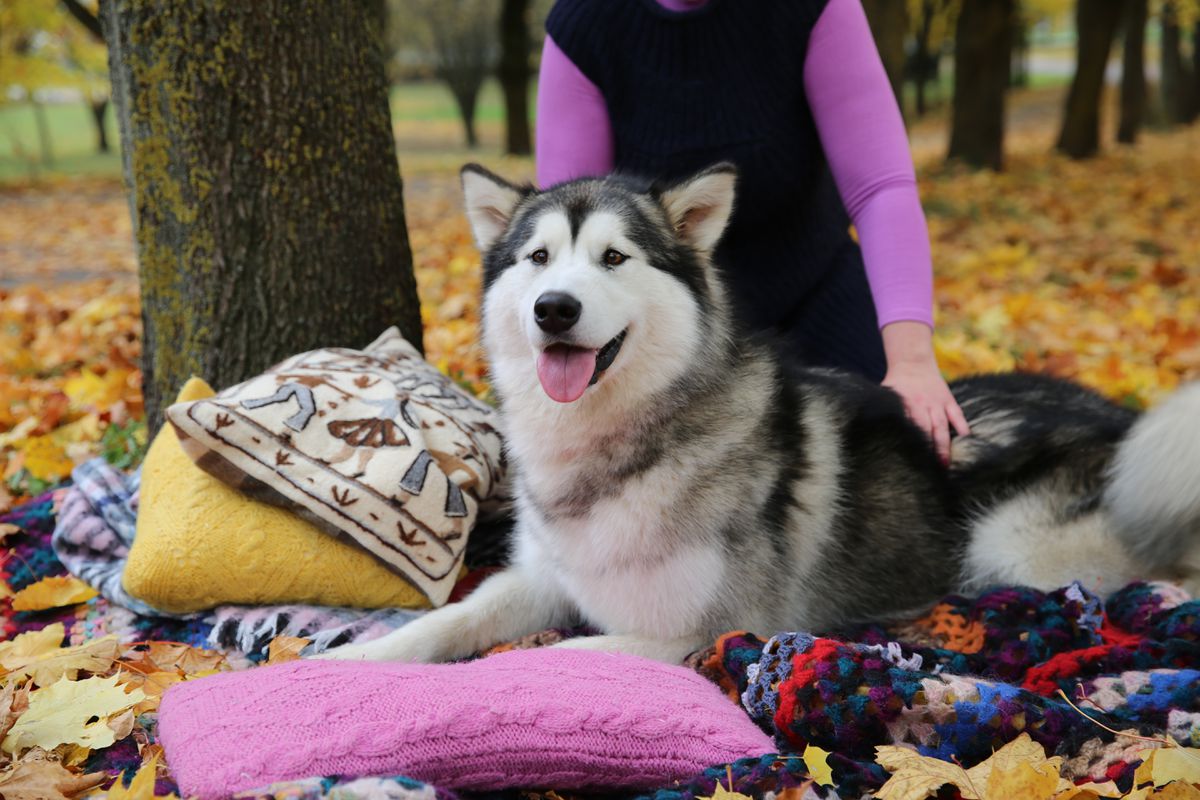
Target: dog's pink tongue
565	371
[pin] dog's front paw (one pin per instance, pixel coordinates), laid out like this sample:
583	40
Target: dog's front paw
392	647
352	652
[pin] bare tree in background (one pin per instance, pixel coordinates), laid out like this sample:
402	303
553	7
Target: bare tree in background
460	41
1018	64
1195	110
1096	23
982	53
1133	71
97	103
1177	77
889	26
514	72
932	25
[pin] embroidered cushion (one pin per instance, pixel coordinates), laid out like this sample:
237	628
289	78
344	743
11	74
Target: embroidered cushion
200	544
568	719
375	447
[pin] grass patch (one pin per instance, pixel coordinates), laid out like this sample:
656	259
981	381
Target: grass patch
72	142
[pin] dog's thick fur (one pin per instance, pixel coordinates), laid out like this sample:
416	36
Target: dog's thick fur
700	485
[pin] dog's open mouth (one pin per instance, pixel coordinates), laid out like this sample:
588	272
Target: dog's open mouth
567	371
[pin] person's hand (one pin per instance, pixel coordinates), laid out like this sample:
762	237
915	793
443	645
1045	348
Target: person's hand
913	374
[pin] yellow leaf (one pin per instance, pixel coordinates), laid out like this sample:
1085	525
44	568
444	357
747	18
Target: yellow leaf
1174	764
915	777
49	665
85	429
37	777
23	429
1177	791
72	754
142	785
1022	750
1023	780
91	390
45	459
60	714
31	646
60	590
1019	769
721	793
1144	774
1089	791
285	648
817	762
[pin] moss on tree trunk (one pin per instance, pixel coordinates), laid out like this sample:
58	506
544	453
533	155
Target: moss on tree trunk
264	188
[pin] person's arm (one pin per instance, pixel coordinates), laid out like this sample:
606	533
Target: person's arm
864	140
574	134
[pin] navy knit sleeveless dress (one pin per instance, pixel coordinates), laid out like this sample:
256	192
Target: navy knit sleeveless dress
725	82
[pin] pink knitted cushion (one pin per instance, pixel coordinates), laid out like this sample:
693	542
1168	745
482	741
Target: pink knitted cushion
566	719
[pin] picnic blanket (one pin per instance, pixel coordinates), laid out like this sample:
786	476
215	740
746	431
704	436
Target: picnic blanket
957	683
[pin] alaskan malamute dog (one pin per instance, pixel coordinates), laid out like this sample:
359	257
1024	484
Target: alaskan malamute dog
675	480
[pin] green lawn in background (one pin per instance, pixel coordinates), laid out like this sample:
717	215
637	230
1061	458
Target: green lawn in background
73	137
73	144
428	101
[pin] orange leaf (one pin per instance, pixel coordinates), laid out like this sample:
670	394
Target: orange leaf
286	648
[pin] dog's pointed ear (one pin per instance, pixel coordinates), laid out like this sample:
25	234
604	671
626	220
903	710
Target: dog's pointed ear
490	202
699	207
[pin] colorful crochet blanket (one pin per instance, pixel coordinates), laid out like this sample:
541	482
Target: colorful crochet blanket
956	684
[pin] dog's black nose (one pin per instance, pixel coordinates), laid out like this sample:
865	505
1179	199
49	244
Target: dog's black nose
556	312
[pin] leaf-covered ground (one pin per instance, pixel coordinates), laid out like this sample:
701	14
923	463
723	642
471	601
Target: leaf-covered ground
1086	270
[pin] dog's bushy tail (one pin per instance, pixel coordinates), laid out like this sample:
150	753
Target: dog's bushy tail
1153	493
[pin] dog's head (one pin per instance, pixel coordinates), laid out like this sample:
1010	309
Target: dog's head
597	286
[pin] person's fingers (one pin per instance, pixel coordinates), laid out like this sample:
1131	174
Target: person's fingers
940	432
957	418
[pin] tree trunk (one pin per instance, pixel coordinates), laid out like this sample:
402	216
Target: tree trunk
1018	64
889	26
1096	24
514	74
43	128
1133	71
466	99
981	62
84	16
266	197
924	62
99	107
1176	82
1194	111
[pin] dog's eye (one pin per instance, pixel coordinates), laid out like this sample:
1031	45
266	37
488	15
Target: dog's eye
539	256
614	257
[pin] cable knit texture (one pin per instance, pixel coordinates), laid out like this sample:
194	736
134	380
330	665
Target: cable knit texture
201	544
563	718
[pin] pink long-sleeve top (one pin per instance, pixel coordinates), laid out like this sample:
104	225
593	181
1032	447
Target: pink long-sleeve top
860	128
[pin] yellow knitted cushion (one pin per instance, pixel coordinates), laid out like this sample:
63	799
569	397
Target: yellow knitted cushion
201	544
